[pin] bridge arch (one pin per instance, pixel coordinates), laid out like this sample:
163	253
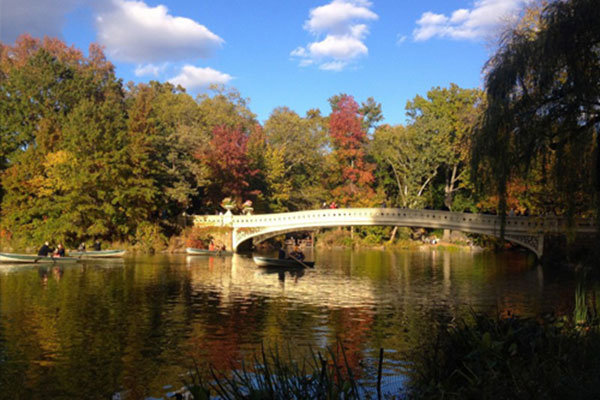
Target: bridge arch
525	231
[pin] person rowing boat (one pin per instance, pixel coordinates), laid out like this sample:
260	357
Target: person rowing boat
45	250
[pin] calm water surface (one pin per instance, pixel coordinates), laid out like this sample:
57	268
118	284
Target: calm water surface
136	325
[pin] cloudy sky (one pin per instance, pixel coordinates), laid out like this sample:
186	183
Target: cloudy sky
294	53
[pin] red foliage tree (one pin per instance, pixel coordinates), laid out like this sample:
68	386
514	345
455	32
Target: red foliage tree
349	139
229	167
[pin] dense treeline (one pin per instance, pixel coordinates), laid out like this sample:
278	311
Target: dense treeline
84	156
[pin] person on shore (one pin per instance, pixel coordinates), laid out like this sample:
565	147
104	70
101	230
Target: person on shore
97	246
81	247
60	251
45	250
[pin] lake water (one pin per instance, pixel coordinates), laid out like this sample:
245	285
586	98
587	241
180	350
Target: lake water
137	325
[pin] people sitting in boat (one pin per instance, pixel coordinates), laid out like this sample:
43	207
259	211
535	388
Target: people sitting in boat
81	247
60	251
211	246
45	250
297	254
97	246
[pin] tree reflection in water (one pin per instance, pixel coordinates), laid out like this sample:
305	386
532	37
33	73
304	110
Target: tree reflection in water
91	329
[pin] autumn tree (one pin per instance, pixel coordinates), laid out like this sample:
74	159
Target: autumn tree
226	113
352	182
228	164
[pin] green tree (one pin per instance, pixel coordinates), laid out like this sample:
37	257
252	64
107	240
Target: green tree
299	144
225	107
372	114
407	164
447	118
67	173
166	129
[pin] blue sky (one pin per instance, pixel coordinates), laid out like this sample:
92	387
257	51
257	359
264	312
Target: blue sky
294	53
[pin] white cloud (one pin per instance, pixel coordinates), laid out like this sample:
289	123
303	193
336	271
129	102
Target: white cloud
132	31
150	69
344	35
338	48
483	19
38	18
192	77
337	16
333	66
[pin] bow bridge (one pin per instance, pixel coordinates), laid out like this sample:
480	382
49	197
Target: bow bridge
528	232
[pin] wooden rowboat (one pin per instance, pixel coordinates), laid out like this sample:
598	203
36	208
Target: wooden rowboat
266	262
204	252
97	253
33	259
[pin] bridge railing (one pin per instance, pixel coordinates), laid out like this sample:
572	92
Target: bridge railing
209	220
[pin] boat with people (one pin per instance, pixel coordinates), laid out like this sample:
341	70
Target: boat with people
98	253
267	262
205	252
34	259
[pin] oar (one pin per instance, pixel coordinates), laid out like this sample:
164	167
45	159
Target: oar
300	261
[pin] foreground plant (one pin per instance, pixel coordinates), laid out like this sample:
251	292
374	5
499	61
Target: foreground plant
270	375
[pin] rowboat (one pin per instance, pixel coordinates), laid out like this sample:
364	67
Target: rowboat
266	262
98	253
32	259
204	252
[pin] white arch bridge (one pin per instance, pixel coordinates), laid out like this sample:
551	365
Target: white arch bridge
528	232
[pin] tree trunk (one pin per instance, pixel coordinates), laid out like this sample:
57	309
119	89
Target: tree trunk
393	236
448	194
